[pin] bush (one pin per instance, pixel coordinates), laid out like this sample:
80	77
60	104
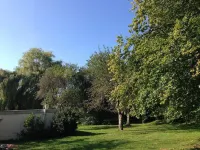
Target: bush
34	128
64	122
34	124
89	120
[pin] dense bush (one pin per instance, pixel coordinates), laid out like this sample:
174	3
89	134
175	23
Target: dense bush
2	104
33	128
101	117
64	122
89	120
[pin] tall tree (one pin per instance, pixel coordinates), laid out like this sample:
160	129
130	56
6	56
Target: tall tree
57	86
119	67
4	74
8	92
27	93
168	56
35	61
19	92
101	84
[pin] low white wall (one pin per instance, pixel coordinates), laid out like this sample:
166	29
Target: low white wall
11	122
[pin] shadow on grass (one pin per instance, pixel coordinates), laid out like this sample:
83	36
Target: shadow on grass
52	141
188	127
112	144
76	144
84	133
165	128
150	128
56	144
100	127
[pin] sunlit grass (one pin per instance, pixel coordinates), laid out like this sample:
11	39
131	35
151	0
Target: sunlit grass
137	137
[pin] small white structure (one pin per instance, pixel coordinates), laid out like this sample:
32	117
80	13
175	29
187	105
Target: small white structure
12	121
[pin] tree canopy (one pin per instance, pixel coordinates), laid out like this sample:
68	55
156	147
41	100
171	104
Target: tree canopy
35	61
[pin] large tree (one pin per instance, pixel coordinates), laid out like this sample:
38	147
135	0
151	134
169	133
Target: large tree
8	92
35	61
58	87
19	92
168	54
120	67
100	77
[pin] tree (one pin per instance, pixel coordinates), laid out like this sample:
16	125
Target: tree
168	54
19	92
27	93
57	86
119	67
8	92
35	61
4	74
100	77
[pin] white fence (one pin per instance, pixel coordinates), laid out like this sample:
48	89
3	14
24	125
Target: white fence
11	122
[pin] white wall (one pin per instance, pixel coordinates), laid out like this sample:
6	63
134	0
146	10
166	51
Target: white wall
11	122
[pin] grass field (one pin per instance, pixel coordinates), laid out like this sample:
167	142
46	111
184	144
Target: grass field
137	137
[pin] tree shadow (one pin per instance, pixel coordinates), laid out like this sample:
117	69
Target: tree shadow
100	127
84	133
51	143
188	127
112	144
76	144
27	144
166	128
77	133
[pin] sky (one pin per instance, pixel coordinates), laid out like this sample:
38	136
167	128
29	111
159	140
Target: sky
72	29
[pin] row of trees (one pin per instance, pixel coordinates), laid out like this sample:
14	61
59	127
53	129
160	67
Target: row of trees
152	73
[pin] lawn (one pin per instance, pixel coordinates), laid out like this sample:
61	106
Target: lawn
137	137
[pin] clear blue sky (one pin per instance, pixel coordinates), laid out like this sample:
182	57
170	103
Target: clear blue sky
71	29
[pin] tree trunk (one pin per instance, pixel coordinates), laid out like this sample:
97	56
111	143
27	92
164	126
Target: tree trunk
120	118
128	119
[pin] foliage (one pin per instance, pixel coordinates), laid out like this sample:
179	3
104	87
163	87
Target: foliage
101	84
165	58
9	91
19	92
153	73
33	123
3	74
59	87
27	93
119	67
51	83
35	61
63	124
89	120
65	121
34	128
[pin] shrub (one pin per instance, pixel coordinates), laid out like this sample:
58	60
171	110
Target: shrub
2	104
33	128
89	120
33	123
99	118
64	122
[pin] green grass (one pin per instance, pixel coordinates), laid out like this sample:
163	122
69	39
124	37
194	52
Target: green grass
137	137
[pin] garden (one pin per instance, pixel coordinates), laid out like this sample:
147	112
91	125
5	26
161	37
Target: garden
137	137
141	93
